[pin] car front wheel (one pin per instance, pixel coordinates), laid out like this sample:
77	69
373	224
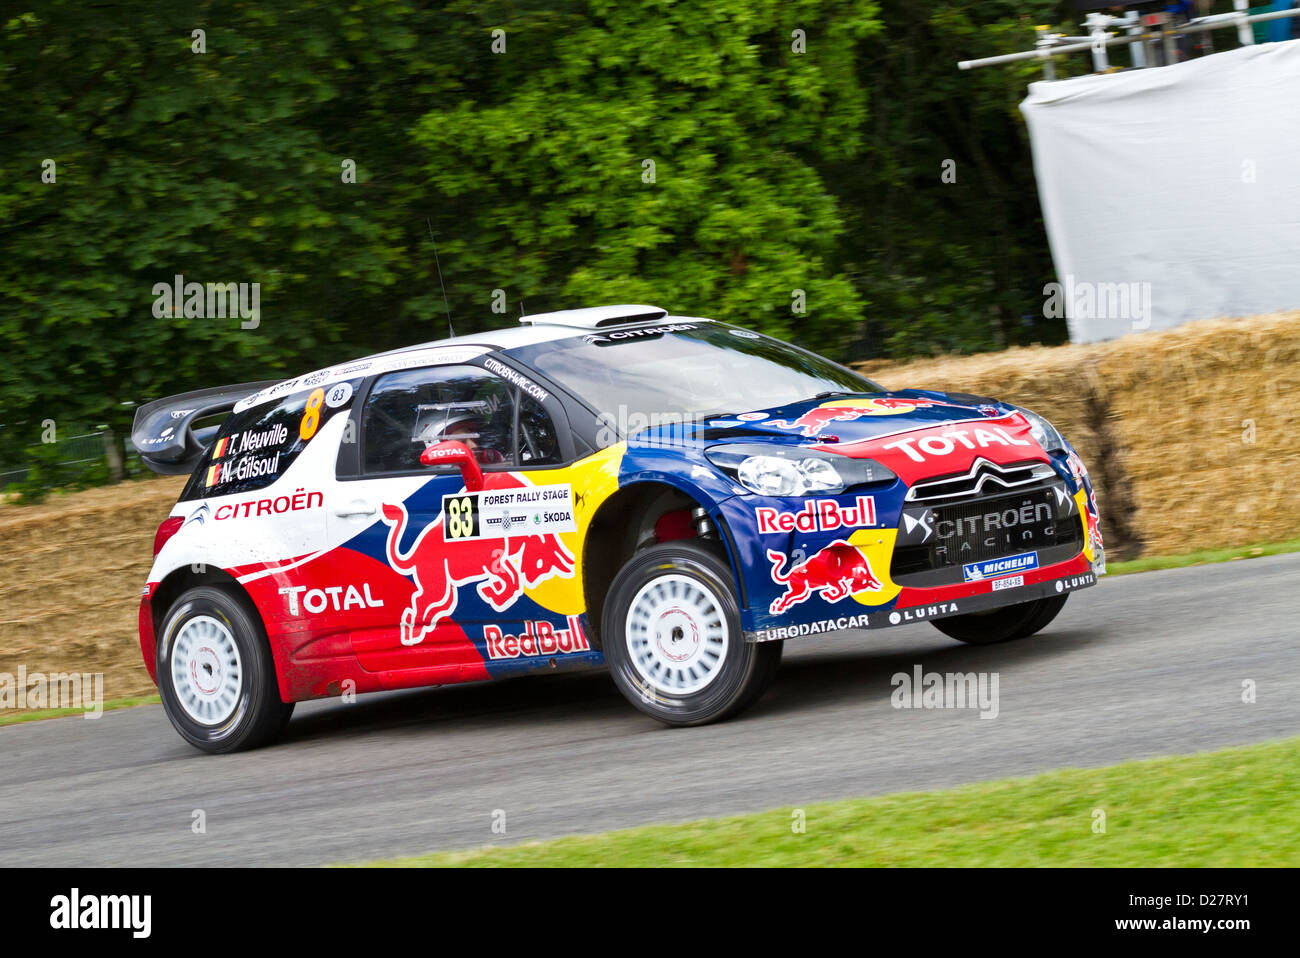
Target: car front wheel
216	675
1002	625
671	635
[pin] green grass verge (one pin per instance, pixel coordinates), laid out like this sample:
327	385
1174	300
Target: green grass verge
1203	557
1235	807
38	714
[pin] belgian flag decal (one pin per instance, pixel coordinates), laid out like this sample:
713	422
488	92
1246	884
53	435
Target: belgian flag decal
214	474
219	449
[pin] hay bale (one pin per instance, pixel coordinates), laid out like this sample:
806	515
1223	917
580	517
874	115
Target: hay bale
1208	416
70	579
1164	421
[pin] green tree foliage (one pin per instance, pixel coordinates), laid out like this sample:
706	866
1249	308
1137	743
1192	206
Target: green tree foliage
216	166
668	155
795	146
955	262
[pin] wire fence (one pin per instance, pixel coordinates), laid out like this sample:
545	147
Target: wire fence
71	460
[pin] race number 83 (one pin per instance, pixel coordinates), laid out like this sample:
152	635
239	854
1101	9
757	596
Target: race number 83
461	514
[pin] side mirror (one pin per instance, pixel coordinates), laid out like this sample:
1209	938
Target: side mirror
451	452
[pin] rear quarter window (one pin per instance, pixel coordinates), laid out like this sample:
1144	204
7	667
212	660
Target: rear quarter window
255	447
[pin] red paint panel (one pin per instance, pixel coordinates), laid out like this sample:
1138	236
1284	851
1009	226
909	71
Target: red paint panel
148	641
949	448
912	597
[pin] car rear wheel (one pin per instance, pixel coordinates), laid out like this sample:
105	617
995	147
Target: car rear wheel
1002	625
216	675
671	635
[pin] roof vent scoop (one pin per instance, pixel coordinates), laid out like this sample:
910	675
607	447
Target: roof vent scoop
597	317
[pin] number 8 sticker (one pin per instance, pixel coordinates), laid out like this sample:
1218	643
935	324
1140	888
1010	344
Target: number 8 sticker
311	418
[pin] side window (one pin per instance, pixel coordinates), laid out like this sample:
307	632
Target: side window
410	410
538	443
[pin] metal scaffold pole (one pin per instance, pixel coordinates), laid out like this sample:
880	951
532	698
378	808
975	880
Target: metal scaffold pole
1050	45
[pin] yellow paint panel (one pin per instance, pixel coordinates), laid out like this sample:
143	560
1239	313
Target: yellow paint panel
593	479
1081	499
877	545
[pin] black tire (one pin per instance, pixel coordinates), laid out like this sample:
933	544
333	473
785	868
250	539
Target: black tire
732	680
1001	625
769	665
256	715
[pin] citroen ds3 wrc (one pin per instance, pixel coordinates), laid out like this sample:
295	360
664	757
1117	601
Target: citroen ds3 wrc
670	498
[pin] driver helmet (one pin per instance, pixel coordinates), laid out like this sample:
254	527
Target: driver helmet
467	428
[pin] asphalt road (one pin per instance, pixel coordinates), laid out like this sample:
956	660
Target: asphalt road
1141	665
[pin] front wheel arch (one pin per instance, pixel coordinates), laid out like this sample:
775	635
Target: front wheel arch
618	531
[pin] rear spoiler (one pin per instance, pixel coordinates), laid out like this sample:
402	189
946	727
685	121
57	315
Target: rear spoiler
164	434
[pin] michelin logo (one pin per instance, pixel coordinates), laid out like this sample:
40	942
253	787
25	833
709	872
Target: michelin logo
991	568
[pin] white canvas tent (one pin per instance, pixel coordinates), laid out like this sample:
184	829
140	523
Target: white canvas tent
1177	183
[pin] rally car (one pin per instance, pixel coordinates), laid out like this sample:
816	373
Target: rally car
667	497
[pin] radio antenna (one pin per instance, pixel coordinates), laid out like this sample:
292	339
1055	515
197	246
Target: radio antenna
450	332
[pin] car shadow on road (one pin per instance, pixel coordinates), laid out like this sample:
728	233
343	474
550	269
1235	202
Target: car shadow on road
861	672
852	668
480	704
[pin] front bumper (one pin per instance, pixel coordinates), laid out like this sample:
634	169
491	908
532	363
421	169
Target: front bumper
958	605
809	566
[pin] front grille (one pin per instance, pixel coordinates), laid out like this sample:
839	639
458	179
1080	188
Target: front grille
935	541
982	477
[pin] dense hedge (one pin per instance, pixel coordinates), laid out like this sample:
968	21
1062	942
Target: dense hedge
711	156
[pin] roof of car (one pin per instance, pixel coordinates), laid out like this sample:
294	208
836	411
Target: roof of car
534	329
507	338
547	327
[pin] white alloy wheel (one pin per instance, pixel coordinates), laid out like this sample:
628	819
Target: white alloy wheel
206	671
677	634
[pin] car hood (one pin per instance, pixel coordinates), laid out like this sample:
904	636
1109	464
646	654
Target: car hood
915	433
847	420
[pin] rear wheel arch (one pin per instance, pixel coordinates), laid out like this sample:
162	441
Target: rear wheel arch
179	581
216	674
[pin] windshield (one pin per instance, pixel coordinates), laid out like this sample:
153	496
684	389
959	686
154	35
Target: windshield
690	370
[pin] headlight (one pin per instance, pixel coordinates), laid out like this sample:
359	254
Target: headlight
770	476
775	471
1044	432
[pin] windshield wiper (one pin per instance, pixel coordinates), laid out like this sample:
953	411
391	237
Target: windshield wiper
834	392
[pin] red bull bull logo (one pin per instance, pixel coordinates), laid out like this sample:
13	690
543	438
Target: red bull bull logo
843	410
836	571
503	567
